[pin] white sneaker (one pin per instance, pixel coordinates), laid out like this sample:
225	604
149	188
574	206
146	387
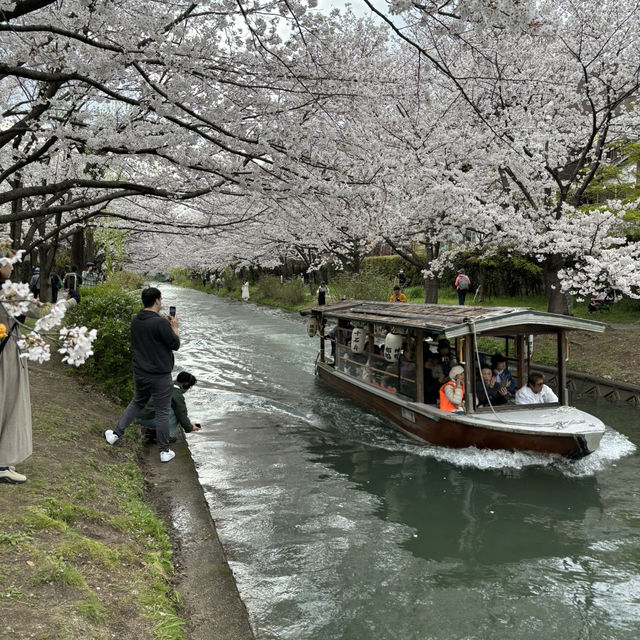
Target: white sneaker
167	455
111	437
11	476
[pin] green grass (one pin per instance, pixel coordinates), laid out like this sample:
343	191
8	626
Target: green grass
54	570
92	608
89	527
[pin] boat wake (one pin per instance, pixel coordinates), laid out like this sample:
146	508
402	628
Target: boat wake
613	447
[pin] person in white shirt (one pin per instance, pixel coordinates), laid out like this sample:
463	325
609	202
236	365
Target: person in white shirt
535	391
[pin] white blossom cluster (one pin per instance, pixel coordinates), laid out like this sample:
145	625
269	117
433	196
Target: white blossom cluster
17	300
76	344
34	347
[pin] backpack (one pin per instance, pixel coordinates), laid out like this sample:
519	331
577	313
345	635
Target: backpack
463	283
72	281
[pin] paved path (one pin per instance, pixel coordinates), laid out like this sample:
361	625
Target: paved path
635	326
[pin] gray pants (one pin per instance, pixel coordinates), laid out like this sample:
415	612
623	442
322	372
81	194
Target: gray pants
159	388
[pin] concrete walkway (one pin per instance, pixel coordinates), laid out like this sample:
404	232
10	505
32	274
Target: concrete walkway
212	604
625	327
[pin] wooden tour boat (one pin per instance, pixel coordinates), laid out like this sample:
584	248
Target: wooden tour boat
375	352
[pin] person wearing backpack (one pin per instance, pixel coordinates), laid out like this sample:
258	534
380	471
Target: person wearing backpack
34	284
72	282
56	285
462	285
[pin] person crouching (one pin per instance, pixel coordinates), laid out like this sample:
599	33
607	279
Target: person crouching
452	392
178	414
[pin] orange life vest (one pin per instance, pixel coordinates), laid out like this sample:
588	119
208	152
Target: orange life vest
445	403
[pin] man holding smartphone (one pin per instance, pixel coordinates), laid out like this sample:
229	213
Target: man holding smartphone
153	340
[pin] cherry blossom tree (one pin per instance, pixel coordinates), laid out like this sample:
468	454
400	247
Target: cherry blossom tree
147	102
550	86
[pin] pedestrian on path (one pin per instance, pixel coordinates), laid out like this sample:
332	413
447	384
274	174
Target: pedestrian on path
462	285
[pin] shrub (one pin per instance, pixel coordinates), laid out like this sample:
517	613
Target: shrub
415	293
126	280
180	277
388	267
109	309
360	287
287	293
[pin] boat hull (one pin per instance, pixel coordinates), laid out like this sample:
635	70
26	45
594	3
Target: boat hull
444	429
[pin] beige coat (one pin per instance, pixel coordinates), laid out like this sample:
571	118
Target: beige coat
15	400
15	405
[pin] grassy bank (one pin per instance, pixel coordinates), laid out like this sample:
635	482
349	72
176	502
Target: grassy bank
83	553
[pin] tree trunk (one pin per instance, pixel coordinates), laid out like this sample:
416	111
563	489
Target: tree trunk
556	300
431	290
77	250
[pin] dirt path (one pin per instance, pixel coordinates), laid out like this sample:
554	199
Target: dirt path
613	355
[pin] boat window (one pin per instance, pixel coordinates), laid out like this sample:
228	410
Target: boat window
370	365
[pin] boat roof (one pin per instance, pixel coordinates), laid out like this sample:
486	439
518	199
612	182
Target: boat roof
454	320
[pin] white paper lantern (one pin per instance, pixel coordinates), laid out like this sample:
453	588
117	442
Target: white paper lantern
392	347
357	340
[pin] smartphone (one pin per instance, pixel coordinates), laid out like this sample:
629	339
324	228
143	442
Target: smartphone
172	311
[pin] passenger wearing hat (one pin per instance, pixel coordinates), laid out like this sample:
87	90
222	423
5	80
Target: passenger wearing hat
34	284
397	295
452	392
89	277
445	357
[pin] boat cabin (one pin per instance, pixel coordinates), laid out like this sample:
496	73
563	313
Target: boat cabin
396	346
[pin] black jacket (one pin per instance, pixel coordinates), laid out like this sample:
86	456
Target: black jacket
153	342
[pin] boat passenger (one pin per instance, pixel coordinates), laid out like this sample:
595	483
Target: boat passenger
407	368
445	357
434	378
490	391
452	392
502	374
535	391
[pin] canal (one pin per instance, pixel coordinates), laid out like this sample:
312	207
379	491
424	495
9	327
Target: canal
337	527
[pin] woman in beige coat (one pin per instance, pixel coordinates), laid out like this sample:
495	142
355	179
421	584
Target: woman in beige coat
15	408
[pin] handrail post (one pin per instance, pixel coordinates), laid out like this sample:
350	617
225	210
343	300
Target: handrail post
563	392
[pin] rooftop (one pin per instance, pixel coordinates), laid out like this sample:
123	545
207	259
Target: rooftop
454	321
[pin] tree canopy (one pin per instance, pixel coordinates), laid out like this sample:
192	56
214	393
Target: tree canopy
217	132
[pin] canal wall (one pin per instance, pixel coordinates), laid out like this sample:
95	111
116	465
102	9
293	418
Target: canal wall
585	385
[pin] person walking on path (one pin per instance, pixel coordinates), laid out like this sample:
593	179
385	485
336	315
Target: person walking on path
322	293
34	284
56	285
462	285
245	291
71	283
153	341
